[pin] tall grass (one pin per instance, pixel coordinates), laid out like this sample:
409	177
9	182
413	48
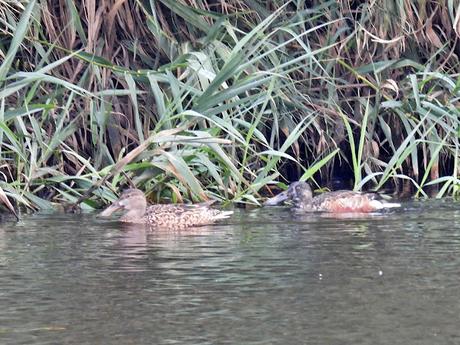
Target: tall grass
192	100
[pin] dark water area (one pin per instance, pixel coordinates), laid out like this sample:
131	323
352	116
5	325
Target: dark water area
264	276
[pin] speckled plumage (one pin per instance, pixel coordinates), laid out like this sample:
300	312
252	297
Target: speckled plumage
175	216
338	202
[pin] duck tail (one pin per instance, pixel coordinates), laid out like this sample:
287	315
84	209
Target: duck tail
391	204
222	215
378	204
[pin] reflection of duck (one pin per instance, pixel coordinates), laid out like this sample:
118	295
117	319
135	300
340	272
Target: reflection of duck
340	201
176	216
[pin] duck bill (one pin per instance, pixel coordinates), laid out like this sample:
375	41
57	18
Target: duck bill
111	209
276	200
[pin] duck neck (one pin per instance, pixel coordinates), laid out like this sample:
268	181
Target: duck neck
303	199
133	215
302	203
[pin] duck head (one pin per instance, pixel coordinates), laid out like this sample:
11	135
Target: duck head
299	192
132	201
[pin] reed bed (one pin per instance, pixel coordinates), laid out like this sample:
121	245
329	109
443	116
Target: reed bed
191	100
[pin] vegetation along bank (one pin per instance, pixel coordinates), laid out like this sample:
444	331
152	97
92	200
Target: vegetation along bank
191	100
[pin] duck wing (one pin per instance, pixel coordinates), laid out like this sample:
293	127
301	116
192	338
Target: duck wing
183	215
350	201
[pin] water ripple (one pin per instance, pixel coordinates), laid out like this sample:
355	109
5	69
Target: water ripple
264	277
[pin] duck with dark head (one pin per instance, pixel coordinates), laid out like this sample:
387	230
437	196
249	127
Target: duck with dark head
342	201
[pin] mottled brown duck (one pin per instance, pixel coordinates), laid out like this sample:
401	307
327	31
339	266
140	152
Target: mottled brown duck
175	216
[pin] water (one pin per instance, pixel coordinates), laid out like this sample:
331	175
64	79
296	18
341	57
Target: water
263	277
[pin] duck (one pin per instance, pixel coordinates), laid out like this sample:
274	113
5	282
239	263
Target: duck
341	201
177	216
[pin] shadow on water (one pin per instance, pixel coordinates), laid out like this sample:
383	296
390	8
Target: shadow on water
266	276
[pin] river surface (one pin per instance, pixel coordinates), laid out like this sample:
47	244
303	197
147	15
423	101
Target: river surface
265	276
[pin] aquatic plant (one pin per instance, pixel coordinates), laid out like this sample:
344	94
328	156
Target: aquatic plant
191	100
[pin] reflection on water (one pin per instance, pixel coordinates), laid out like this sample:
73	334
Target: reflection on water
263	277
